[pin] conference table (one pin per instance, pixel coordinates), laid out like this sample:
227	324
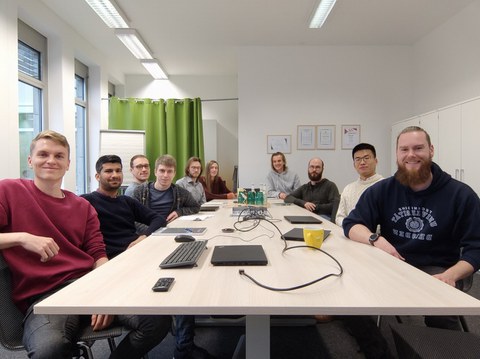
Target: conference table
372	283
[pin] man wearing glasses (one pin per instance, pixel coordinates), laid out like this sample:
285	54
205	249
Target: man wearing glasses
193	171
320	195
140	169
365	163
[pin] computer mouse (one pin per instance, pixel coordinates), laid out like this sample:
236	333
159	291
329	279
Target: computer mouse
184	238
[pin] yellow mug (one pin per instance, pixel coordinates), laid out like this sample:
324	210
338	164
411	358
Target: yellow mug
313	237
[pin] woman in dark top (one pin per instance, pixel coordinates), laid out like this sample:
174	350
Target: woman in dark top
213	184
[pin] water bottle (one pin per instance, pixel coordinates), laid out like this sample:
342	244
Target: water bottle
260	197
251	196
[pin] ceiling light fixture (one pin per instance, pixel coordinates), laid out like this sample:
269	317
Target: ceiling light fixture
321	13
153	67
132	40
109	12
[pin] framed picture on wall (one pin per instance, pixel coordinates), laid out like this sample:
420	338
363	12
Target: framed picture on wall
326	137
350	136
305	137
279	143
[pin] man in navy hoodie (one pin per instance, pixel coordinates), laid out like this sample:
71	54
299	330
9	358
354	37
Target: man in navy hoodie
427	218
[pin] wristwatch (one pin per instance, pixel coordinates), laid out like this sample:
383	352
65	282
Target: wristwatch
373	238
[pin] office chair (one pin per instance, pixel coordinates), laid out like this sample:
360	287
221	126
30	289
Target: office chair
11	320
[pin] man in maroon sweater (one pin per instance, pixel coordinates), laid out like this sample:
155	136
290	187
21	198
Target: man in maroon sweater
49	237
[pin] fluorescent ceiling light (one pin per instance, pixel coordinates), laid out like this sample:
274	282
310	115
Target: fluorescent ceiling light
132	40
109	12
153	67
321	14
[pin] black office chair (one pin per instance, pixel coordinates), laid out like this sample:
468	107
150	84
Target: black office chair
11	329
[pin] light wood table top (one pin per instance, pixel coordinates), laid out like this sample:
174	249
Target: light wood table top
373	281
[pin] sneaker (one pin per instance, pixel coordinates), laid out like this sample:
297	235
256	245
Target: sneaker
194	353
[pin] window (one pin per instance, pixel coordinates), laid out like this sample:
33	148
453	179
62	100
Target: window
81	76
32	49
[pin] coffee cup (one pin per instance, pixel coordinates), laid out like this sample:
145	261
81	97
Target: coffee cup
313	237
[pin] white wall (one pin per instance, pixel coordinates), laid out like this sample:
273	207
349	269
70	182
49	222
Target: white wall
278	89
9	139
282	87
446	62
205	87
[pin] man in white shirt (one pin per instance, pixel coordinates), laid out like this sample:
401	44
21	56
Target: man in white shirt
365	163
140	169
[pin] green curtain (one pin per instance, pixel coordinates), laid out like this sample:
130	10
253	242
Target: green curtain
171	127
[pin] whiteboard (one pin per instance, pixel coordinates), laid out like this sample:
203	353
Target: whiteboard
125	144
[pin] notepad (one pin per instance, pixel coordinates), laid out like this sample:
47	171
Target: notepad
172	231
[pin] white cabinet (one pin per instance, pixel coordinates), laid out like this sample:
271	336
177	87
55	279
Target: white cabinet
470	170
449	152
454	132
429	122
458	136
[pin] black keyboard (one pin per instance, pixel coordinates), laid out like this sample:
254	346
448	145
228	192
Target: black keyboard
185	255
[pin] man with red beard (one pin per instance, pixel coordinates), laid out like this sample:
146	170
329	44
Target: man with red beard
320	195
427	218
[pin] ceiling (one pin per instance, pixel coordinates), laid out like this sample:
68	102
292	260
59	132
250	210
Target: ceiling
201	37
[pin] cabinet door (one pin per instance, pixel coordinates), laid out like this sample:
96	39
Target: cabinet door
449	138
470	173
429	123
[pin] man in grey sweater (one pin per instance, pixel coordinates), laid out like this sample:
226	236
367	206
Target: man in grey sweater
320	195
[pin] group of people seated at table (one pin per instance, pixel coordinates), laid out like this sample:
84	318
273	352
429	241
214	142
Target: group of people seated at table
420	215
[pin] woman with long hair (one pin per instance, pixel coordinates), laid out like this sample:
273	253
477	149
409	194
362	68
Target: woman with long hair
213	184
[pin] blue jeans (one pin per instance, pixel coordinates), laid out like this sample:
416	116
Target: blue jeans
54	336
184	332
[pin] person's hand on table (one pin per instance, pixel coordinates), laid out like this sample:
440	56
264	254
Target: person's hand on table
310	206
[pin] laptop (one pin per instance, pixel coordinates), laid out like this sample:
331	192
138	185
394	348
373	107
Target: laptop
241	255
302	219
296	234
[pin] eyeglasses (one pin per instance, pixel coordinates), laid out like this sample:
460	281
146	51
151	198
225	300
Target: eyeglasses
195	168
139	167
364	158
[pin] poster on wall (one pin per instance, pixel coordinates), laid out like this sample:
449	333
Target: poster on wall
306	137
350	136
326	137
279	143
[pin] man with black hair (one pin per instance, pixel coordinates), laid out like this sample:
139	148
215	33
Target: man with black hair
118	213
365	163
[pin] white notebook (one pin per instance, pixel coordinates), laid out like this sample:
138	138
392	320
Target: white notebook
172	231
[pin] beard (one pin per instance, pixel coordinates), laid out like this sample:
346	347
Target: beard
313	176
416	177
107	186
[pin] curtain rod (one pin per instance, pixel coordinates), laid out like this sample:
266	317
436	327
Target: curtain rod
178	99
